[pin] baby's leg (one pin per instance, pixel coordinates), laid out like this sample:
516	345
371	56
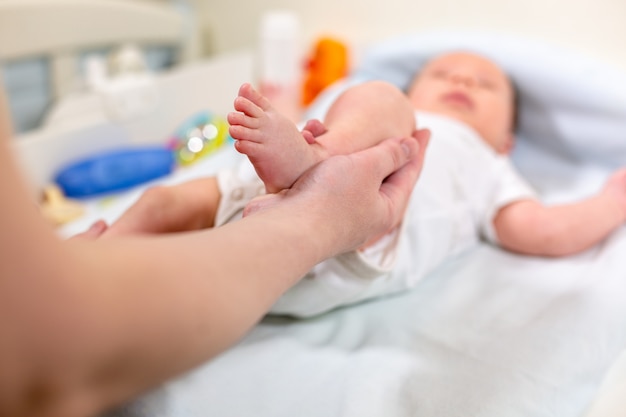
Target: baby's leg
365	115
361	117
272	142
184	207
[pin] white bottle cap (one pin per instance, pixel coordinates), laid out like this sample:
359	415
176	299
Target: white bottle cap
279	24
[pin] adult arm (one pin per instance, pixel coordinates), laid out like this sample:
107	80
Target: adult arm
90	324
531	228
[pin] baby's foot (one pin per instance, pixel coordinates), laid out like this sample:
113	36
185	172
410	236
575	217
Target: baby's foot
279	152
283	98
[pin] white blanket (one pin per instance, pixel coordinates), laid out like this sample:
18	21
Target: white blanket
489	333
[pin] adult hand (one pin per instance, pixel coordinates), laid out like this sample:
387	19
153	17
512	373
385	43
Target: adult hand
360	196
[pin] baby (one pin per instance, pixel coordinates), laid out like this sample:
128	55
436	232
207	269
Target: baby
468	188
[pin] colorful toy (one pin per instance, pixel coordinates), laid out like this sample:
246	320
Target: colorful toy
328	64
199	136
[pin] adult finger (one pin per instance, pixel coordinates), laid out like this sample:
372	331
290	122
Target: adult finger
387	157
94	231
398	186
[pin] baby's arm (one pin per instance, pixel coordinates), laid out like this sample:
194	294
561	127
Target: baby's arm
184	207
531	228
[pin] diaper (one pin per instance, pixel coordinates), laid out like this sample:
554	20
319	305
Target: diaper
237	187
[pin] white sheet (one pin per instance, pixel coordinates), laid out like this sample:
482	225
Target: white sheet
489	333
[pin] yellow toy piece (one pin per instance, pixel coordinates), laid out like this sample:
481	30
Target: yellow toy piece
328	63
58	209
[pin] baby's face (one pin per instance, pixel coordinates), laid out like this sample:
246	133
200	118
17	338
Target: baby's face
471	89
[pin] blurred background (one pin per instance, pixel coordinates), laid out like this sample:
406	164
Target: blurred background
594	26
202	29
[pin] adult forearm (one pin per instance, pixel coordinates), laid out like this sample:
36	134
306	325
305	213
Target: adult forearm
170	306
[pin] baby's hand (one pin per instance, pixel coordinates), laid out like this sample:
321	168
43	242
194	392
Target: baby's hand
615	188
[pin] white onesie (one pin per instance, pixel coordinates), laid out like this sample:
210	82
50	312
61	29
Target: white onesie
464	183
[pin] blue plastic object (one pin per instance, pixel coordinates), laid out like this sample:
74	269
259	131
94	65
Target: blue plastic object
115	171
